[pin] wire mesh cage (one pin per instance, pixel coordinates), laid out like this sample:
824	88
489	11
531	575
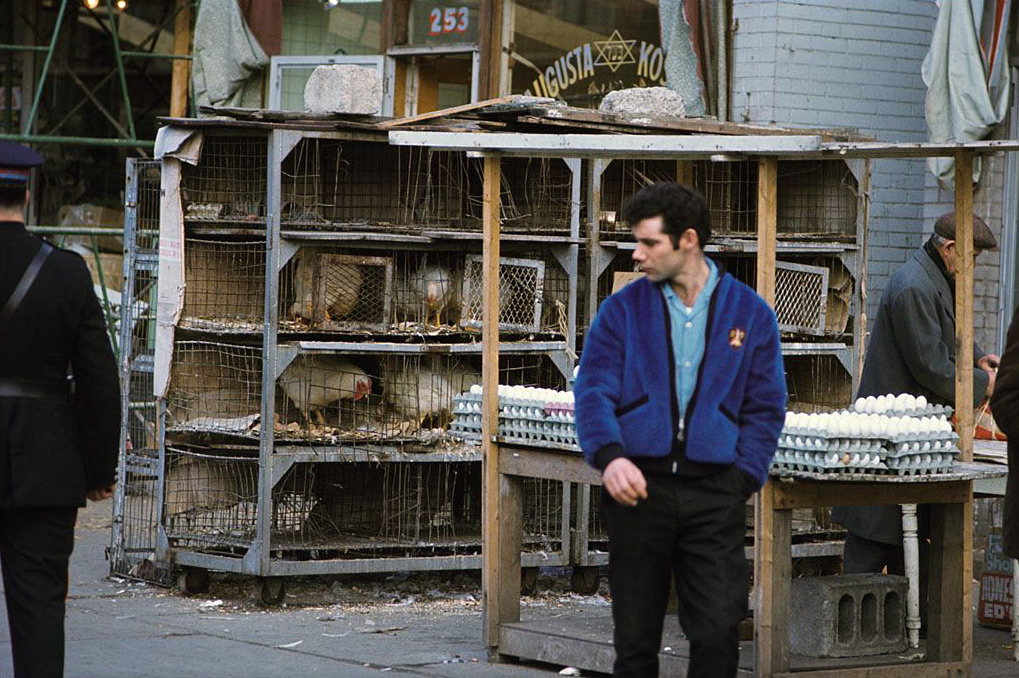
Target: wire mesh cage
135	507
334	398
214	388
322	289
521	285
386	397
730	189
224	285
801	297
817	199
210	501
427	290
229	181
355	183
817	383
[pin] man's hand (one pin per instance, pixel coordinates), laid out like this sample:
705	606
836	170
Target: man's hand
100	493
989	363
624	481
990	383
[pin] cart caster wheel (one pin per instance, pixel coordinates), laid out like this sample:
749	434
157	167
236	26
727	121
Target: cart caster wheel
271	590
193	580
528	580
584	580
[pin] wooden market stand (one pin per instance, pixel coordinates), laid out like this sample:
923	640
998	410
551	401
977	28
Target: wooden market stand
949	649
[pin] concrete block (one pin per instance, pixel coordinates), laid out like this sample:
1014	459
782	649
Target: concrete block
852	615
657	102
344	89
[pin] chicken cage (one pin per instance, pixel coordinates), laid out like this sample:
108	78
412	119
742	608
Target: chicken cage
350	184
817	199
813	293
372	395
228	182
224	285
349	510
325	290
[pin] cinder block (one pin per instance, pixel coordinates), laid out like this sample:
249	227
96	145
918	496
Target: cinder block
853	615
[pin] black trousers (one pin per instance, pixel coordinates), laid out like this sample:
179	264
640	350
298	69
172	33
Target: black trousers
35	547
693	529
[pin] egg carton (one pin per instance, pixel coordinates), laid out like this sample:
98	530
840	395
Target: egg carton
523	413
929	411
904	449
831	461
920	464
927	436
822	444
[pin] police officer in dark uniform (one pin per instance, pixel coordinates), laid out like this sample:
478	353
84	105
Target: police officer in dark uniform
59	419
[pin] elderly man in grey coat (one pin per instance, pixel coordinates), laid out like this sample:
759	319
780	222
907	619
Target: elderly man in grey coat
912	350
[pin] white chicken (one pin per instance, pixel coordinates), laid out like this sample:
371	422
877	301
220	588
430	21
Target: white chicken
314	382
337	283
426	293
419	393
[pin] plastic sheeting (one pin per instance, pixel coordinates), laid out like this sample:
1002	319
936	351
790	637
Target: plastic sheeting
966	73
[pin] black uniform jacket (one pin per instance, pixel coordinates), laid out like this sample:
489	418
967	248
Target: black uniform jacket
911	350
52	450
1005	406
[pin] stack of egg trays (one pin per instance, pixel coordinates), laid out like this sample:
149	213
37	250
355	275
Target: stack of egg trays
466	416
921	454
526	419
520	419
929	411
819	454
902	454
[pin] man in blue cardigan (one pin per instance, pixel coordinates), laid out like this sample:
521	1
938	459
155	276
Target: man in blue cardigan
680	398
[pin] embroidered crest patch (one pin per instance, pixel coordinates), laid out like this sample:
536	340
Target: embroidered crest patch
736	337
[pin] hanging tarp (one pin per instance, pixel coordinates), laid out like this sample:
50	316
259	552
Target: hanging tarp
966	73
227	59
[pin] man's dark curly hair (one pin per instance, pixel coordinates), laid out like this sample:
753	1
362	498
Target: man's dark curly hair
680	207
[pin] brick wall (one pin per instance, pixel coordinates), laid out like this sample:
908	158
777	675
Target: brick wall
857	68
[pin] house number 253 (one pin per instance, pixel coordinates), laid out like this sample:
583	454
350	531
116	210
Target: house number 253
448	20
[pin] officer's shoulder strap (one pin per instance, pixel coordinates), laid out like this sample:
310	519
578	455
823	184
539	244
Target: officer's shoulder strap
25	284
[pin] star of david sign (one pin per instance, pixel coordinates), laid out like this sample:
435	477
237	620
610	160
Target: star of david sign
614	52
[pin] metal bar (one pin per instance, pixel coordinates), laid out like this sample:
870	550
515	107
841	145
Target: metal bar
61	230
98	104
78	141
46	66
120	69
23	48
81	102
107	308
155	55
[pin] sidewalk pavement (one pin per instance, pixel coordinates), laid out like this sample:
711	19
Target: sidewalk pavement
424	625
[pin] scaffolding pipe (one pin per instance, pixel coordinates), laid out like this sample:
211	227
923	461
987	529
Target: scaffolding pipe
154	55
74	230
46	65
23	48
120	69
78	141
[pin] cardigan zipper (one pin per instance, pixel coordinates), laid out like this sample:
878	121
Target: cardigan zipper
700	368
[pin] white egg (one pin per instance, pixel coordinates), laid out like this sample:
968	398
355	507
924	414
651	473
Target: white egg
871	404
860	404
921	402
854	429
881	405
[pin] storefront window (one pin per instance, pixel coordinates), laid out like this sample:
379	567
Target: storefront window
311	27
578	50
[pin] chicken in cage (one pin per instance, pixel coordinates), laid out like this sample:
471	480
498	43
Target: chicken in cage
428	293
214	388
325	290
209	496
419	392
313	383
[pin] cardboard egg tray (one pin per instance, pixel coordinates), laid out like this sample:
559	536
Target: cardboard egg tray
876	462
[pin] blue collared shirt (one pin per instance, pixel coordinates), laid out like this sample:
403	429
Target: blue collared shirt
689	327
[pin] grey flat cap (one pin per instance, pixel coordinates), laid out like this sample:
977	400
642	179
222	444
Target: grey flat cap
983	239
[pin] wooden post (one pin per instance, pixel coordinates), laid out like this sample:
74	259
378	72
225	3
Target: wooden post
490	36
181	73
771	577
964	302
767	227
493	577
684	172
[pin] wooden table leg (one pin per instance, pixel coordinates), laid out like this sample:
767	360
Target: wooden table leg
949	623
772	584
501	574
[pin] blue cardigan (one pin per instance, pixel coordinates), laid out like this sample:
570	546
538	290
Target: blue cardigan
625	390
